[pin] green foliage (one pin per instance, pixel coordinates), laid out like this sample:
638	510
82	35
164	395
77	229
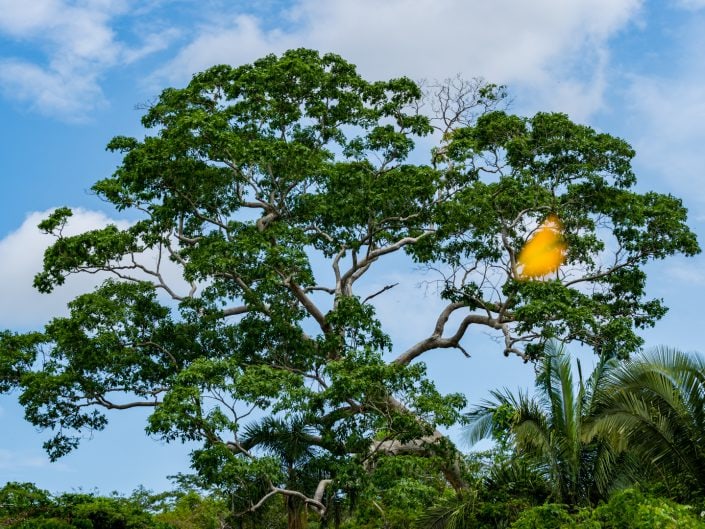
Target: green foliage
549	516
551	429
24	506
251	181
628	509
96	512
192	511
558	167
501	487
51	523
402	492
22	500
654	406
398	491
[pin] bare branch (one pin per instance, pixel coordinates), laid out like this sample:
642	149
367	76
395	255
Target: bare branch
308	304
266	220
259	504
232	311
424	446
320	232
336	270
318	288
316	504
436	341
381	291
102	401
320	489
354	271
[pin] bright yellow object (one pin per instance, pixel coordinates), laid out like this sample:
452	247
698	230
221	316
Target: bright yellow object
544	252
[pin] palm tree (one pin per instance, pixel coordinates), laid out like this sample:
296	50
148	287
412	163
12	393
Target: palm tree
295	444
549	429
655	404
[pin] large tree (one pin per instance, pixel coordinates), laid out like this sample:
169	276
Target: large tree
275	188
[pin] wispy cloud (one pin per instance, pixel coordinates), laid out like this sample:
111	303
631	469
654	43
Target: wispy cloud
665	112
21	257
557	50
21	254
77	44
691	5
690	274
11	460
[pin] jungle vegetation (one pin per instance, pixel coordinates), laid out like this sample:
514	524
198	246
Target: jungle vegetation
236	306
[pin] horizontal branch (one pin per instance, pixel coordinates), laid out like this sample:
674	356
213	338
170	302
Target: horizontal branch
232	311
318	288
381	291
424	446
375	254
128	405
437	341
315	503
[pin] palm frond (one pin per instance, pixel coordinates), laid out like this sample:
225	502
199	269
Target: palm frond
451	513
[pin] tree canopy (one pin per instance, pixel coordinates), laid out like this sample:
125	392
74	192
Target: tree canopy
274	188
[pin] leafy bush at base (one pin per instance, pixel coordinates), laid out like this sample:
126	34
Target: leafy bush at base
46	523
24	506
549	516
627	509
630	509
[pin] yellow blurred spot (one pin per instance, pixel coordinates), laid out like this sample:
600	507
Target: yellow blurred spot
544	252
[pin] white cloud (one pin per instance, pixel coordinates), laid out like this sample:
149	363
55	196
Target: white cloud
555	51
558	49
21	255
153	43
60	93
11	460
665	114
690	274
21	258
672	114
22	18
690	5
79	45
239	41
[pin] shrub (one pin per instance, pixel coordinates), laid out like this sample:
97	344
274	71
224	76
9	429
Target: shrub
549	516
627	509
631	509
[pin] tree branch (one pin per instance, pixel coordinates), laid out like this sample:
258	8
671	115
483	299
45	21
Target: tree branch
426	445
372	256
102	401
320	489
381	291
232	311
308	304
436	340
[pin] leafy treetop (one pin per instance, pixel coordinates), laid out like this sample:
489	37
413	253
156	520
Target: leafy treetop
274	188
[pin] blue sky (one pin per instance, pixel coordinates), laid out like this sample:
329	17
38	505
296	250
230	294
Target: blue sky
72	74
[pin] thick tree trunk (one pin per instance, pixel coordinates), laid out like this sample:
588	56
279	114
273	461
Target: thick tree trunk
296	513
428	446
